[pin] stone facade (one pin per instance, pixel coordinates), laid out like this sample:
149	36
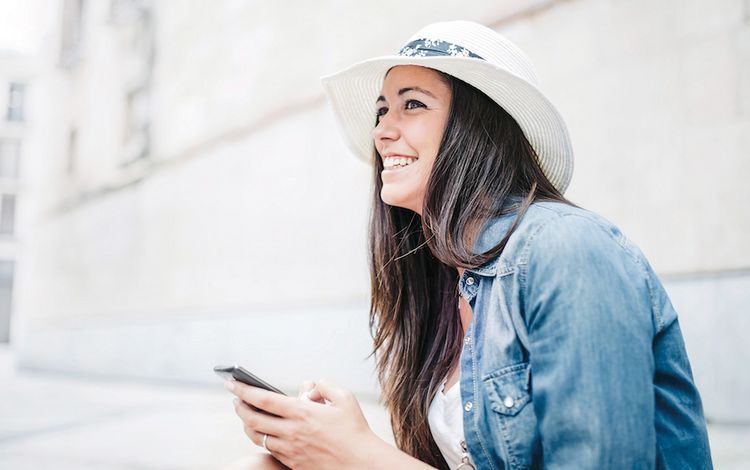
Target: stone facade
16	83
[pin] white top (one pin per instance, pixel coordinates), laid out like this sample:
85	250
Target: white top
445	417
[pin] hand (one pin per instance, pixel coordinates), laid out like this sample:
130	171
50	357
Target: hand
305	434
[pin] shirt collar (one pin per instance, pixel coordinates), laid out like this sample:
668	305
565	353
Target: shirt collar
490	235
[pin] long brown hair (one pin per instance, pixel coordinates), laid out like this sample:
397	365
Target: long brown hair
483	160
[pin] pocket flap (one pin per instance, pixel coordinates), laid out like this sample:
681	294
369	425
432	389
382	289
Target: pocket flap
508	389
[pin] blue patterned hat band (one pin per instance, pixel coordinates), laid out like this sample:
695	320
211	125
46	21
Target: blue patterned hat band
435	47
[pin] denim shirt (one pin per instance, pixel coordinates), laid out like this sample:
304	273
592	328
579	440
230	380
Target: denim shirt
574	357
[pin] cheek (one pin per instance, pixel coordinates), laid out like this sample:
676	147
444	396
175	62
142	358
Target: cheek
426	137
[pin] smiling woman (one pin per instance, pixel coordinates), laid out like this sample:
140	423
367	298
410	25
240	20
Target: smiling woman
474	162
512	329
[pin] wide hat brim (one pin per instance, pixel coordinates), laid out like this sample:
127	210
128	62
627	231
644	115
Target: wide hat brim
353	92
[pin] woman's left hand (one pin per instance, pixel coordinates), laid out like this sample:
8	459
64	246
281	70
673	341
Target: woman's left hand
305	433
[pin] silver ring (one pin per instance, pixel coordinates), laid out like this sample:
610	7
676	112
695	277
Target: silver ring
265	438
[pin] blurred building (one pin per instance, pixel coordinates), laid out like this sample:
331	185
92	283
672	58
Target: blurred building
16	72
192	203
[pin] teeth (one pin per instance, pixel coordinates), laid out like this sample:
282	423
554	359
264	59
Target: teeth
390	162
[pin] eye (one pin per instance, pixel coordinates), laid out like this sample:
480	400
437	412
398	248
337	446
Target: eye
409	104
417	104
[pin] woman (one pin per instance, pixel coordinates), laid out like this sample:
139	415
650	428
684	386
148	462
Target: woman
512	329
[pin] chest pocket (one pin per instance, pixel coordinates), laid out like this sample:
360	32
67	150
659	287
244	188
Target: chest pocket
514	421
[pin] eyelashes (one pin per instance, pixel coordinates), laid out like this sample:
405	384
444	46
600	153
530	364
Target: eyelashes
407	105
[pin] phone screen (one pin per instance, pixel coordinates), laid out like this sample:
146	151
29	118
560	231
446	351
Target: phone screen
241	374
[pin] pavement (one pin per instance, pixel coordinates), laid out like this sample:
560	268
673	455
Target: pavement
51	420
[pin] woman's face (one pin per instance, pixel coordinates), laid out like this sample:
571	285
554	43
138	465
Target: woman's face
413	109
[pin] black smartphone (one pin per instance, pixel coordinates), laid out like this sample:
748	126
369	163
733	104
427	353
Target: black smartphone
246	377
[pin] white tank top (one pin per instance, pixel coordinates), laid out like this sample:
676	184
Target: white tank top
445	417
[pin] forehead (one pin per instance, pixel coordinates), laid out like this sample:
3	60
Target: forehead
413	75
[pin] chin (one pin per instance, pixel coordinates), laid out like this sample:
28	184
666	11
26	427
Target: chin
397	199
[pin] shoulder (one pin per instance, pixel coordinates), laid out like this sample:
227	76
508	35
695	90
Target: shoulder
556	232
544	214
539	218
563	225
577	260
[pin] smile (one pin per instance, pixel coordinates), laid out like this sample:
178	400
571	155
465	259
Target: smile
394	163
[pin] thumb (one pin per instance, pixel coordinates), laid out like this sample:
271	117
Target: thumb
307	392
304	388
330	392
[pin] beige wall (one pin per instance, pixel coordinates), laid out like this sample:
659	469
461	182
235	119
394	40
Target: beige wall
247	182
655	105
657	97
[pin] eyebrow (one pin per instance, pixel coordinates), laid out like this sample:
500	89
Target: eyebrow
404	90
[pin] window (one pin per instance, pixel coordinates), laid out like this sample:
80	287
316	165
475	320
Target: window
6	291
7	214
137	124
72	150
126	10
10	151
72	28
134	24
15	101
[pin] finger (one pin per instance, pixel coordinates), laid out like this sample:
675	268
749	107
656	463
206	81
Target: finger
276	447
310	394
272	402
255	437
259	421
304	388
314	395
330	391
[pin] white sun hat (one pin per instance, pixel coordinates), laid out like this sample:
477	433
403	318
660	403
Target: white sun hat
480	57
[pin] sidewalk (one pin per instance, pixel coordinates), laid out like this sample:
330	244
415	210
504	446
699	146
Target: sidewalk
77	423
66	423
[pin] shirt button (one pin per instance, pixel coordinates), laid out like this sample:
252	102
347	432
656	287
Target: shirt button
508	402
467	340
469	280
468	406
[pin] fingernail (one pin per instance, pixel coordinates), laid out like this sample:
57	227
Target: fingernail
229	385
236	401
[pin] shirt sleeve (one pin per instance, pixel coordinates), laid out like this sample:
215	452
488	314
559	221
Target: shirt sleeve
590	327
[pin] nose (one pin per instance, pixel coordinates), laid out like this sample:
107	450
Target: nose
385	130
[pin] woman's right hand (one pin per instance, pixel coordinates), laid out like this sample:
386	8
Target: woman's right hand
263	460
